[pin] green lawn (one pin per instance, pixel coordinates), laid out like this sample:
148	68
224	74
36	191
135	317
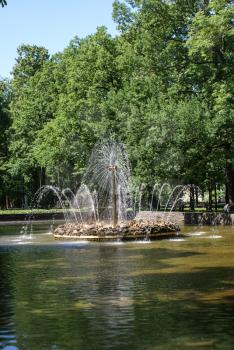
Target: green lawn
56	210
29	211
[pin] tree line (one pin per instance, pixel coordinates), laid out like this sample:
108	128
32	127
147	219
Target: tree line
163	86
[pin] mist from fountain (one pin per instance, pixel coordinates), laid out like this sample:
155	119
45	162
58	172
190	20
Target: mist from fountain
96	197
96	206
69	201
84	202
44	190
106	194
176	200
41	193
83	206
155	189
160	194
141	191
136	194
109	174
181	187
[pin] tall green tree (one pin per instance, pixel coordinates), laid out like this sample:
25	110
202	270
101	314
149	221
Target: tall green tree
83	112
163	86
210	44
5	121
30	107
3	3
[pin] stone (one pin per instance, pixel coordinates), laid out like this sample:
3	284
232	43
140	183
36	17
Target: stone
128	230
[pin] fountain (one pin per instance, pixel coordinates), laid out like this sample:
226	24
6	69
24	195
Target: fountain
104	202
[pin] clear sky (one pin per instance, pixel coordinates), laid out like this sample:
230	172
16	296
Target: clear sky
48	23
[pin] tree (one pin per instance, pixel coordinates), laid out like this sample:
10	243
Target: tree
163	87
3	3
29	109
170	52
83	113
5	95
153	62
211	52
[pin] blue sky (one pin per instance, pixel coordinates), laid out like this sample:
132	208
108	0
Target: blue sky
48	23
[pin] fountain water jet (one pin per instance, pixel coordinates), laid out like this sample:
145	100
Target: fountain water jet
152	195
108	177
108	173
84	202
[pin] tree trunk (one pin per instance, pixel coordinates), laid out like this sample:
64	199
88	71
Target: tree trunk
7	202
192	206
229	194
210	198
114	198
196	194
215	193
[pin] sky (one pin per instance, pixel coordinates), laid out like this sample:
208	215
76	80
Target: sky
48	23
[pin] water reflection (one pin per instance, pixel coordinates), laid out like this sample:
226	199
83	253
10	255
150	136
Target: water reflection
162	295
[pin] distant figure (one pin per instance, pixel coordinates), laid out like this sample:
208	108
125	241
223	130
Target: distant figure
226	208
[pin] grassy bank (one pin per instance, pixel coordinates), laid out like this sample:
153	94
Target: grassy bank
29	211
60	210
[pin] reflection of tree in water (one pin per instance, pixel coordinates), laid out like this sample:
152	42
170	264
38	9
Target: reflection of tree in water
109	292
68	293
7	330
104	297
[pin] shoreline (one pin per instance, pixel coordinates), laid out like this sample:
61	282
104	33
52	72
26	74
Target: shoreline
186	218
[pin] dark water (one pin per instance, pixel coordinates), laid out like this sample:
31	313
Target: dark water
171	294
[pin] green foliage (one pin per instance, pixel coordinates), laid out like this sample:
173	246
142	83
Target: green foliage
29	108
122	15
211	51
5	95
163	87
82	112
3	3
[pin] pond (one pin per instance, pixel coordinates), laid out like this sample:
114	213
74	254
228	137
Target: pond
168	294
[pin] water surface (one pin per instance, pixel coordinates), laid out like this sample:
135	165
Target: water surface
169	294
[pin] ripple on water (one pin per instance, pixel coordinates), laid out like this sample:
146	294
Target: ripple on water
20	241
176	239
200	233
214	236
73	243
114	243
128	292
145	241
17	240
